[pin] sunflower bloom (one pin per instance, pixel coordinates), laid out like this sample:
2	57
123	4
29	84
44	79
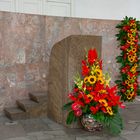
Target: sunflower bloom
98	72
134	50
109	110
92	79
103	102
130	96
90	97
86	79
101	80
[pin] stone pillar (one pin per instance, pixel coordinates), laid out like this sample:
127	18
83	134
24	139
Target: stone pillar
65	62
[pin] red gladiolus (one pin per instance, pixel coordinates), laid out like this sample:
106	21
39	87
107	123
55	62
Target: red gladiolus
94	109
72	97
85	70
89	88
92	56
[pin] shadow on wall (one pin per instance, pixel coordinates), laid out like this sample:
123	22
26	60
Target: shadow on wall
65	62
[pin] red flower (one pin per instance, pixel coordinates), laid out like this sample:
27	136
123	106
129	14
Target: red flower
89	88
85	70
94	109
126	28
75	106
78	112
92	56
72	97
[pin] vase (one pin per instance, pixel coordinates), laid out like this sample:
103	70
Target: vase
90	124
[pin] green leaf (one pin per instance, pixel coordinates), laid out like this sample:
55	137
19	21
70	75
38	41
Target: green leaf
119	59
67	106
70	117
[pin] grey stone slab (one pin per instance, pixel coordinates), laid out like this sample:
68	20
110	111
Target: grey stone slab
56	138
55	133
21	138
4	119
132	137
117	138
52	125
34	125
11	131
91	138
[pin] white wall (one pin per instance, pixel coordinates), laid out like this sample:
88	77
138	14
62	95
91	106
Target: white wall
106	9
100	9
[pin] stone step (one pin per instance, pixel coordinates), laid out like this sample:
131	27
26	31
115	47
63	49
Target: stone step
26	104
14	113
38	97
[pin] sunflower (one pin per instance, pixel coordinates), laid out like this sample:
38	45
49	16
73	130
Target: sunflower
98	72
109	110
92	79
129	35
133	30
126	81
130	42
103	102
90	97
101	80
134	50
130	95
132	59
86	79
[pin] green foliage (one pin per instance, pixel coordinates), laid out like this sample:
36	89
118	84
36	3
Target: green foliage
113	123
71	117
67	106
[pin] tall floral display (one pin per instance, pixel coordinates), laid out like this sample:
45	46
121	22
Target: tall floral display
93	95
128	58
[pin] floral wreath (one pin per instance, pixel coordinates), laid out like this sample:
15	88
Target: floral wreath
93	95
128	58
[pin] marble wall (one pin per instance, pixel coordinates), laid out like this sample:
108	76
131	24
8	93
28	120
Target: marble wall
26	42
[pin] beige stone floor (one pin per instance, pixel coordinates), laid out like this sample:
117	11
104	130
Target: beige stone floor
46	129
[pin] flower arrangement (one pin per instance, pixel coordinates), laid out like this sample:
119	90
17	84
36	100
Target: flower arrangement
93	95
128	58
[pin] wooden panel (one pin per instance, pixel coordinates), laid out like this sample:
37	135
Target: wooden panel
57	9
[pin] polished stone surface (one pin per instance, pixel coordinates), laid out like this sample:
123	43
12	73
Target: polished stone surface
26	42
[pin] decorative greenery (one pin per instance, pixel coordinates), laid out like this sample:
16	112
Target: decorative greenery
93	95
128	58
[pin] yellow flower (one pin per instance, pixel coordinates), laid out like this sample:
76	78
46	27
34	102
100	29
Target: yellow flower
130	35
91	79
134	50
130	84
130	42
131	59
109	110
103	102
86	79
133	69
98	72
133	30
102	91
136	65
126	81
90	97
130	95
101	80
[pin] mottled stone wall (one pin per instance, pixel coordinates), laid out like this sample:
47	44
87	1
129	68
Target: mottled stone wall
25	46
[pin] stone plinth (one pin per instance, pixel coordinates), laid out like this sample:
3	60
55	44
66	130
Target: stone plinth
65	62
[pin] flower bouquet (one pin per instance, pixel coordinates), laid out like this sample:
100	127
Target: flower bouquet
93	95
128	37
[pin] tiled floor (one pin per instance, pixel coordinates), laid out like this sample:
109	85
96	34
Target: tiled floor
46	129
